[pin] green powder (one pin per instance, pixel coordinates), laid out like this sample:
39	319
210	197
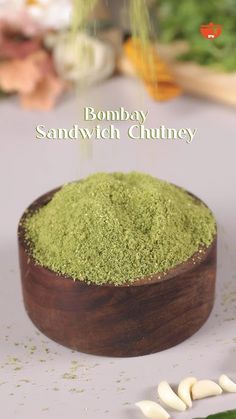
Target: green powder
140	20
116	228
81	12
138	12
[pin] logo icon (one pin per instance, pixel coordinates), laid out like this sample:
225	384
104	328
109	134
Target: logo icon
211	31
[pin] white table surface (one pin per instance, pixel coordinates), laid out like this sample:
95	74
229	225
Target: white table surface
41	379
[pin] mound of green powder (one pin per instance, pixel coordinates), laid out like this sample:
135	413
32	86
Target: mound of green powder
116	228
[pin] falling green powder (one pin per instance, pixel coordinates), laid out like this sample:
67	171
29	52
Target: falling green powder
138	12
140	20
116	228
140	23
81	13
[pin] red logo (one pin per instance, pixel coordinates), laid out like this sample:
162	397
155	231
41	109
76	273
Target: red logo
211	31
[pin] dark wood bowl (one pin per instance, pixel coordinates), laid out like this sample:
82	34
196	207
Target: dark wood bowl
147	316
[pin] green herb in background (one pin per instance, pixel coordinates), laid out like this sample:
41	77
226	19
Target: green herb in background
230	414
181	20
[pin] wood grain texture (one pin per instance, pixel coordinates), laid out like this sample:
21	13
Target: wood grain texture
192	77
145	317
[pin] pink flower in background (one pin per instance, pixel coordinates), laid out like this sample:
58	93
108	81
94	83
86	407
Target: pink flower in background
51	14
34	16
15	14
14	44
45	95
21	76
34	79
39	59
26	67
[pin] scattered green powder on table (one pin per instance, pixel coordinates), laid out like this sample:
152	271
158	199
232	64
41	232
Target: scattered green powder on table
115	228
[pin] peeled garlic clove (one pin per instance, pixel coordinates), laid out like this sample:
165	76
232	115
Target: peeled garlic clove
152	410
205	388
168	396
227	384
184	390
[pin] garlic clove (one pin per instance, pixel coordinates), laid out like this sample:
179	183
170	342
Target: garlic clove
152	410
184	390
169	397
205	388
227	384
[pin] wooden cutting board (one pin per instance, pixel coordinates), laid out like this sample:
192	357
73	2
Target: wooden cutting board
193	78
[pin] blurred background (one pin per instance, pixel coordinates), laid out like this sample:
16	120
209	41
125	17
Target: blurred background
47	47
55	58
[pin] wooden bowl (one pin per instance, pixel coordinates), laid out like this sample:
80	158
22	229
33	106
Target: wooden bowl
147	316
